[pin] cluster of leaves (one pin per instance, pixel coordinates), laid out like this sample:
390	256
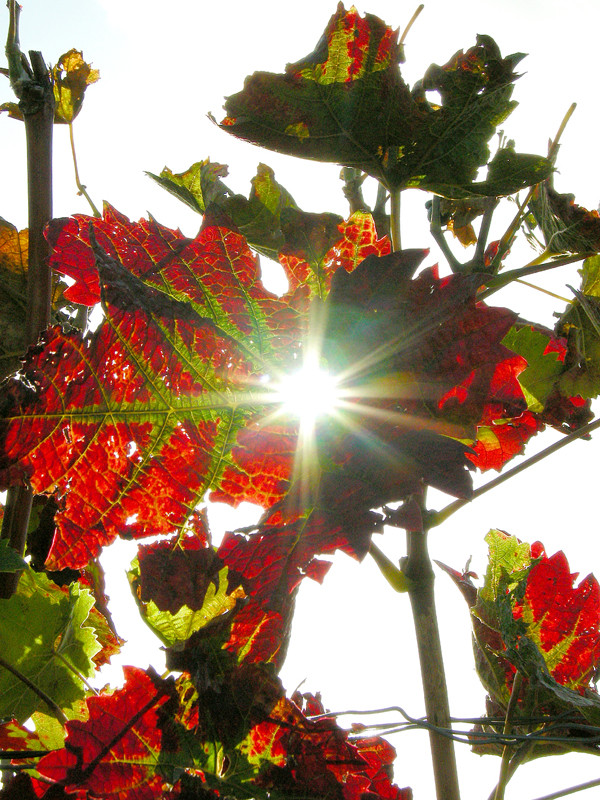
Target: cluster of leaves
529	618
125	429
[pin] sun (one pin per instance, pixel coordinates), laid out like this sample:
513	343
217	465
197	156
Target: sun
307	394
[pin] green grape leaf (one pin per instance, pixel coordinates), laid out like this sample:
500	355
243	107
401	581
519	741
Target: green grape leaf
45	635
580	324
10	560
544	365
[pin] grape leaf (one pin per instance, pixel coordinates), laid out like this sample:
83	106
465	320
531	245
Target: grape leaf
165	400
114	752
180	586
275	556
268	742
258	218
314	250
544	363
71	76
13	295
315	758
346	102
581	325
161	377
10	560
530	617
46	635
566	226
16	737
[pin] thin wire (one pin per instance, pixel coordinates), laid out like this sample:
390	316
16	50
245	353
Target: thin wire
480	737
571	790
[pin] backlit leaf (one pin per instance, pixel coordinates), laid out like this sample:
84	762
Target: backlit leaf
45	634
114	752
531	617
315	758
318	245
544	364
346	102
180	586
201	346
258	218
71	76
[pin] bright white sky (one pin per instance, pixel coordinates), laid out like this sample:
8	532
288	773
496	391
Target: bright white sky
163	67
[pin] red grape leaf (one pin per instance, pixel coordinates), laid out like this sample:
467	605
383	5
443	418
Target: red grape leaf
562	618
346	102
273	558
315	758
531	617
113	753
314	248
167	399
148	404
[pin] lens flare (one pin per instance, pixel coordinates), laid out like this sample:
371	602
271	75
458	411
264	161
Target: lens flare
308	394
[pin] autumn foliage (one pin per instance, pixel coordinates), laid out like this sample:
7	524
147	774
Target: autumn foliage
123	430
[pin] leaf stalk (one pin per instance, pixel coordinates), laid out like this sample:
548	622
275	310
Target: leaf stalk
506	752
81	189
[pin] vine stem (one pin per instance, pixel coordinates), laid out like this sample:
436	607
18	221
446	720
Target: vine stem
437	517
505	765
395	220
411	22
419	571
36	101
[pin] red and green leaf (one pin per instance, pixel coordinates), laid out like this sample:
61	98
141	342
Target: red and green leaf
531	617
346	102
114	753
135	422
315	758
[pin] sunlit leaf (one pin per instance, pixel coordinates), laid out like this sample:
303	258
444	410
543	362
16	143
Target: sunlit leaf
201	346
71	76
180	586
45	634
114	752
531	617
346	102
544	357
316	758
